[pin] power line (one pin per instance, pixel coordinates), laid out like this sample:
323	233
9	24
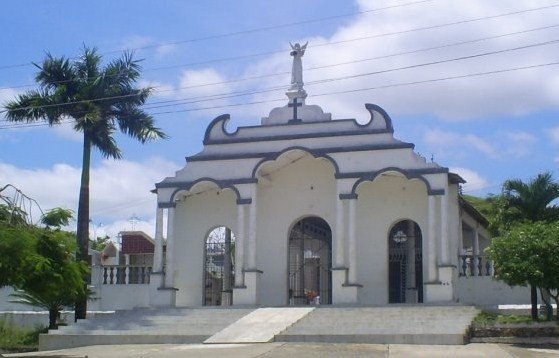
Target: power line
248	31
226	59
245	93
434	80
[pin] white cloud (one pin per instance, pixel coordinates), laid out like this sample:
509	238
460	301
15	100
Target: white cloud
444	140
164	50
511	93
474	181
554	134
519	143
118	189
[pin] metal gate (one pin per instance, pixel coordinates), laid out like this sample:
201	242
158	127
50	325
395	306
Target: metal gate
310	263
219	268
405	268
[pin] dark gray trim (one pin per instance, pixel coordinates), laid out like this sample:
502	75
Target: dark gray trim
387	120
276	155
421	171
269	138
319	152
447	265
349	196
455	178
436	192
189	184
252	270
166	205
352	285
167	289
239	287
224	119
244	201
409	174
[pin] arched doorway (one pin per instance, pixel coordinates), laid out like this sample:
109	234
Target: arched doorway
310	262
219	267
405	269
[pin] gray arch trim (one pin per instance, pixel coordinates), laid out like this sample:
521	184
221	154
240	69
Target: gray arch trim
224	118
221	184
407	173
274	156
387	120
166	205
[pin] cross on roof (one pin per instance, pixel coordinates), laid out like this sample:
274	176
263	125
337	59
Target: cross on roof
295	104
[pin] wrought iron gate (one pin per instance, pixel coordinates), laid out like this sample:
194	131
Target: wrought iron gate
219	268
310	263
405	268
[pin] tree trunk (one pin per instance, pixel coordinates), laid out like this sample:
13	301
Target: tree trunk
83	221
534	301
53	315
546	298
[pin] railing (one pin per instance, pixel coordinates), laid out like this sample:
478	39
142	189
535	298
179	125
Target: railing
125	274
471	266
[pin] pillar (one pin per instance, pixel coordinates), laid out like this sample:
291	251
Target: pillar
475	268
158	252
251	262
240	246
339	259
444	244
431	242
352	275
170	255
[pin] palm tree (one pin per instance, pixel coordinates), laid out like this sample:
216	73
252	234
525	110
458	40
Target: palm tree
99	101
532	201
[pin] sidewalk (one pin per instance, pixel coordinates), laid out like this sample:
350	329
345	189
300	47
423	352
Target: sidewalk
293	350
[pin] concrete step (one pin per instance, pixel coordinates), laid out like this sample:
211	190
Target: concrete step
260	326
383	325
144	326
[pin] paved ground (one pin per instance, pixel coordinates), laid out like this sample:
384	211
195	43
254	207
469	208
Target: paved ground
307	350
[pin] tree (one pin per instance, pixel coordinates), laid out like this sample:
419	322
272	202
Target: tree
527	254
525	202
58	280
100	242
100	101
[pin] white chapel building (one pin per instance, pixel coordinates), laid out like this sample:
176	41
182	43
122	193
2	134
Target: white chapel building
315	210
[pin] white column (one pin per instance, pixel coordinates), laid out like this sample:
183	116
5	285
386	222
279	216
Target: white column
251	261
431	242
170	254
475	252
240	246
158	252
340	206
352	275
443	255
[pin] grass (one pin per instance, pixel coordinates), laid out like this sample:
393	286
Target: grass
489	318
13	338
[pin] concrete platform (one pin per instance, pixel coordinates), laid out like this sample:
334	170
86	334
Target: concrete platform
144	326
441	325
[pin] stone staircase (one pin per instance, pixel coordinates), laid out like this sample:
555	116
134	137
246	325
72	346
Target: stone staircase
421	324
144	325
383	325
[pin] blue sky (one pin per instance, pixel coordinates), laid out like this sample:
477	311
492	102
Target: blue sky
488	128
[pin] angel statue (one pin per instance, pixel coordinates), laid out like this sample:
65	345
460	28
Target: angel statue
297	69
